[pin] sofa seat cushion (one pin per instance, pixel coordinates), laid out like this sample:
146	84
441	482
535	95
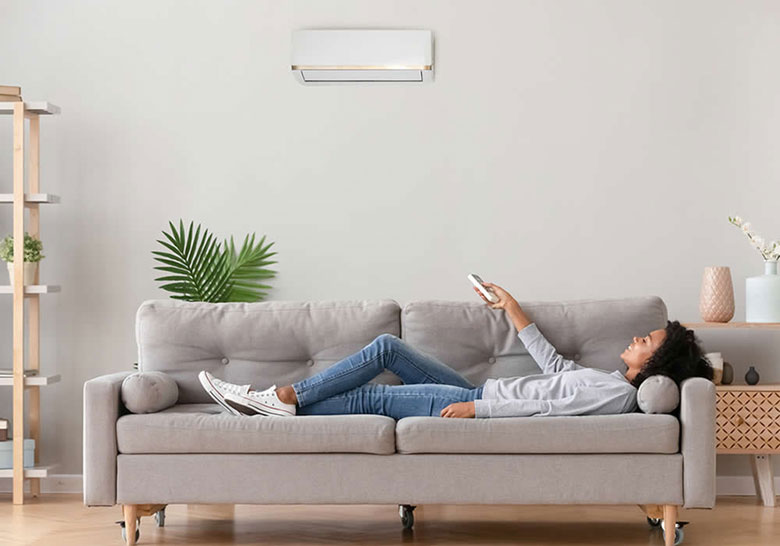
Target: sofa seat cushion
625	433
205	428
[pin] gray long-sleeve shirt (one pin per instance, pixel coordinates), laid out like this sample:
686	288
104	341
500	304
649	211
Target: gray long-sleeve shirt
563	387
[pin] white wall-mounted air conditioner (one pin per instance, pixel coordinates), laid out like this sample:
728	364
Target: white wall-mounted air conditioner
362	56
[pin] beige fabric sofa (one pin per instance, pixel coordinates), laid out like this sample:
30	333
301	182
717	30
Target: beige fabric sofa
195	453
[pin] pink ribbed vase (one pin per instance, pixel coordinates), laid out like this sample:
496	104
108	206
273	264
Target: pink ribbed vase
716	300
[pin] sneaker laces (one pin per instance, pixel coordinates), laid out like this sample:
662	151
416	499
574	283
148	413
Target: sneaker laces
270	392
232	388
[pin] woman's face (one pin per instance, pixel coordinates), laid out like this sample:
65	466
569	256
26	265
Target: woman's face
640	350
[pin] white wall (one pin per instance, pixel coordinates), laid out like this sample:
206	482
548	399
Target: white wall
566	150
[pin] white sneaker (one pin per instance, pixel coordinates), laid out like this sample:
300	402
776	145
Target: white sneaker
219	389
260	403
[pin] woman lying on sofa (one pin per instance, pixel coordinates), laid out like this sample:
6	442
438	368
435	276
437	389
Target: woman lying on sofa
433	389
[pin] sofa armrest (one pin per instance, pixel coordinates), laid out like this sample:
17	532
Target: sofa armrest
697	442
102	407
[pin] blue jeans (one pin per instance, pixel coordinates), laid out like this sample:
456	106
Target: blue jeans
429	385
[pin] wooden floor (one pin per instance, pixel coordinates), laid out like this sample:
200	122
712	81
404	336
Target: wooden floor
62	520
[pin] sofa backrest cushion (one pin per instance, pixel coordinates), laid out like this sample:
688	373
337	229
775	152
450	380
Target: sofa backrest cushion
482	343
264	343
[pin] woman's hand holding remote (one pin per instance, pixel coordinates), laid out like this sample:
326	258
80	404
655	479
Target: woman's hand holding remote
504	298
507	303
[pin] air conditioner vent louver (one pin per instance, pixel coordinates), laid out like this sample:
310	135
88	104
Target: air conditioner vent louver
362	56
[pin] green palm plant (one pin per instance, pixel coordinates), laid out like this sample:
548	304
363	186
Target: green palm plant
202	269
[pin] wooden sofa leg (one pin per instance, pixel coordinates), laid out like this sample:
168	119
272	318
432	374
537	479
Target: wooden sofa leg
130	512
670	523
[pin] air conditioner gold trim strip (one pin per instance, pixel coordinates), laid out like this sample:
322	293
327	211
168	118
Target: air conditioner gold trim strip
421	67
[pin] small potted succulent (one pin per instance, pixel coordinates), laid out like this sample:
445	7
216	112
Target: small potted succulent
32	255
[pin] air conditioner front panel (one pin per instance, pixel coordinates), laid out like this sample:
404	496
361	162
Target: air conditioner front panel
354	56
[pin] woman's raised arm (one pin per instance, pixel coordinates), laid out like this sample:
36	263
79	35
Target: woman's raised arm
541	350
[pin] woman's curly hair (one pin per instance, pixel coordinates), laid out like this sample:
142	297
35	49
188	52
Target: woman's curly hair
679	357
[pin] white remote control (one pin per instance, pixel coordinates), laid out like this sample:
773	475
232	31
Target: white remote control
477	281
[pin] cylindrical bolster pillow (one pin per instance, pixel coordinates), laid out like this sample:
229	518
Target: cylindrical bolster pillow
658	394
148	392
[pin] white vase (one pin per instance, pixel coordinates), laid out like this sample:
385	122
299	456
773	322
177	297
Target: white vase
29	272
762	295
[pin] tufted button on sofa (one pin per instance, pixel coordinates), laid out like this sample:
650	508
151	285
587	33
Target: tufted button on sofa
159	458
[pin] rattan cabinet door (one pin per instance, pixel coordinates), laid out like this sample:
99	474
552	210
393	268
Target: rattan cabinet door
748	421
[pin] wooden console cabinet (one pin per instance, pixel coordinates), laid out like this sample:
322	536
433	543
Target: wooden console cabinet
748	422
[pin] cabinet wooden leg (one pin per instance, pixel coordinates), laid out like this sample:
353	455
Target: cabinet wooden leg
130	512
670	523
763	478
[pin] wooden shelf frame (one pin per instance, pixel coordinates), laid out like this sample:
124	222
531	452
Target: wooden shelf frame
31	380
32	108
769	387
31	199
732	325
26	200
31	289
34	472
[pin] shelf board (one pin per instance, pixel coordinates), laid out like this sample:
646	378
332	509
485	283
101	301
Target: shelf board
32	472
31	380
36	107
32	198
733	325
31	289
755	388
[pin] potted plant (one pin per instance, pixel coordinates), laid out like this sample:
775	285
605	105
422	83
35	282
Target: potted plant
32	255
201	269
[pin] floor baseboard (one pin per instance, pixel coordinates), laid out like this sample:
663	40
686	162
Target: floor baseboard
72	483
